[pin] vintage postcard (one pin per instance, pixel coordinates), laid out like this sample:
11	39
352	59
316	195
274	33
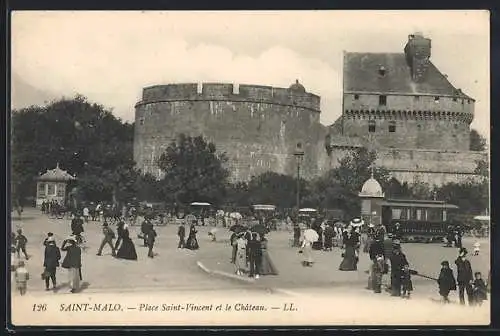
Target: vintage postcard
250	168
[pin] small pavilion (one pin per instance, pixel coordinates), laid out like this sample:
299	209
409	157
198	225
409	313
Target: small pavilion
372	197
52	184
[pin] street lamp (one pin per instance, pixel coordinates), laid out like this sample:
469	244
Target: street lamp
299	156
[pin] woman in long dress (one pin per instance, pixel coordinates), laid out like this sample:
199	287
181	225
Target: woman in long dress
350	261
192	242
127	248
267	266
240	261
306	251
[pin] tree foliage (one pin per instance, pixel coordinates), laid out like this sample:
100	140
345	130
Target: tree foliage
477	141
83	137
193	171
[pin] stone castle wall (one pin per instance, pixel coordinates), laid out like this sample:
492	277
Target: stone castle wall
435	167
421	121
258	127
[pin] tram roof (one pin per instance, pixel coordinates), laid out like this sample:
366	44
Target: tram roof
419	203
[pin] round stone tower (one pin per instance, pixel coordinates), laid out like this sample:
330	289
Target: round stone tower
258	127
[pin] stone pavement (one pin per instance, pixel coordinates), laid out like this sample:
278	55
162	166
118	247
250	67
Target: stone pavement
171	269
174	269
425	258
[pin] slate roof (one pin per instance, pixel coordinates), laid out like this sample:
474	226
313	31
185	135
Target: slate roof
56	174
361	74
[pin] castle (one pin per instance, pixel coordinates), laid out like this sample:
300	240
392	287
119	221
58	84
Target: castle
398	104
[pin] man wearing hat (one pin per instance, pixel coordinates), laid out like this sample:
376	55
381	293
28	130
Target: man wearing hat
72	262
108	236
52	256
464	277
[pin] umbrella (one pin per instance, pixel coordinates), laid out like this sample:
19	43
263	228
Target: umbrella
356	222
311	235
237	228
190	218
260	229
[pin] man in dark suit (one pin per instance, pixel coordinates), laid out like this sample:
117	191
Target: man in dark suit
398	262
464	277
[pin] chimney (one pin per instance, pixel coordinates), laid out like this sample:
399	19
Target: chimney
418	52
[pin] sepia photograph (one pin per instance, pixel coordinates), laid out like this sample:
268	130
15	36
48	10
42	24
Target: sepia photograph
250	168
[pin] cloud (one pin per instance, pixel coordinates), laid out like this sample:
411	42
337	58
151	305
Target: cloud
109	57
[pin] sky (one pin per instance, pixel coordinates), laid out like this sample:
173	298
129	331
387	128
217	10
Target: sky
110	56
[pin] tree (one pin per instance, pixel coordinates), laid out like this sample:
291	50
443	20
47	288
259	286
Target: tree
83	137
470	196
482	168
355	169
193	171
477	141
276	189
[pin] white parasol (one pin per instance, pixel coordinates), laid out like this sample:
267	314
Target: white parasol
220	213
357	222
311	235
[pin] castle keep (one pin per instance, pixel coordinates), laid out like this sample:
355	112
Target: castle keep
399	104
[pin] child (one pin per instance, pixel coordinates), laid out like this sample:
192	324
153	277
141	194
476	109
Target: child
446	281
407	285
477	245
478	289
21	242
22	276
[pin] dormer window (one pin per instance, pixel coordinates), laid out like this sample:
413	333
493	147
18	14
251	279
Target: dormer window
436	100
356	97
382	100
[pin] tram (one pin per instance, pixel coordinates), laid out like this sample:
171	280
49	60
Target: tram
420	221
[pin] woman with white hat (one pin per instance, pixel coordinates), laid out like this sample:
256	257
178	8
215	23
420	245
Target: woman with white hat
351	244
72	262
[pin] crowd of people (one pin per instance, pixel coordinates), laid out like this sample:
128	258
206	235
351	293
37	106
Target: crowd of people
250	255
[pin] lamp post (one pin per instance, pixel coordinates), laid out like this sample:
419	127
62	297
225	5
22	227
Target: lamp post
299	156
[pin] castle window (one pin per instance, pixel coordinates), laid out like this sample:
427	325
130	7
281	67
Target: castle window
141	121
392	126
236	89
382	100
381	71
454	99
199	88
371	126
356	97
436	100
462	101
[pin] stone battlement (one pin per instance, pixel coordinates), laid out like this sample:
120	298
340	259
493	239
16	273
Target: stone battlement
229	92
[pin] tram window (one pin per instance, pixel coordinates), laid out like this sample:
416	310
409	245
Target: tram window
396	213
434	215
418	213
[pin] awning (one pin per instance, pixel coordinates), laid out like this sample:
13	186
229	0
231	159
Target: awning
265	207
483	218
419	204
